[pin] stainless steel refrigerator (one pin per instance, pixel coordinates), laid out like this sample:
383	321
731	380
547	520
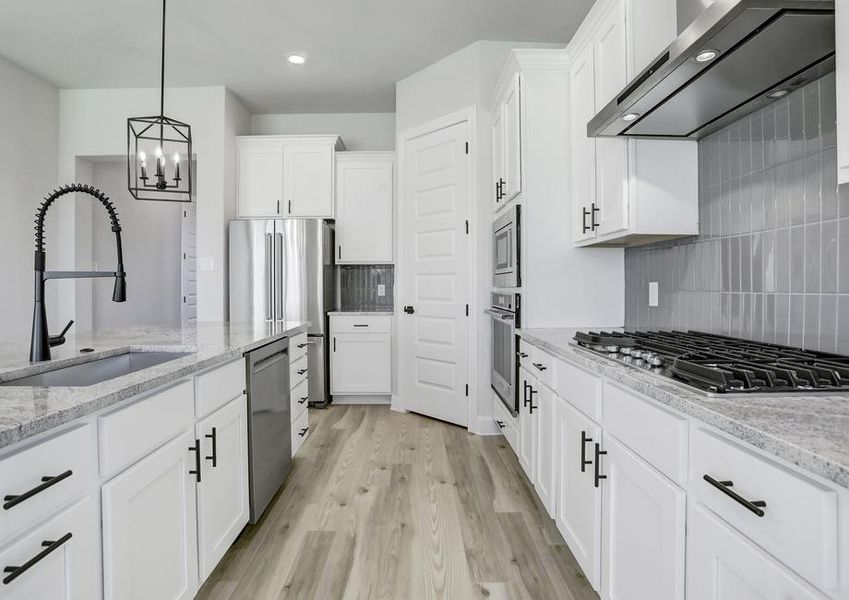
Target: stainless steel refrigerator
285	270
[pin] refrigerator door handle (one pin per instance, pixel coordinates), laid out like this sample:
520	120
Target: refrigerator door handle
279	289
269	277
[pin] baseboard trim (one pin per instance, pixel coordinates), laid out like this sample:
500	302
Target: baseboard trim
485	426
397	405
361	399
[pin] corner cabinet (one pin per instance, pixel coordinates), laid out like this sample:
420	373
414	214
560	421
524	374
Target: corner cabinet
286	176
365	217
625	192
841	12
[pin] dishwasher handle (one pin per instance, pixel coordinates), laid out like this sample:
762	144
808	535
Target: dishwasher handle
270	361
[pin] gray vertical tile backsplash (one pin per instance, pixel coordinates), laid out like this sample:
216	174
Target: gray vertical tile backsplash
358	285
771	261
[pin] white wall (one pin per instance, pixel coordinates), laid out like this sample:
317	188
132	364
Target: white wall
359	131
29	133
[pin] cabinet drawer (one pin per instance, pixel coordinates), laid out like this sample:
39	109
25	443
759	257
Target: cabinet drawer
526	354
216	388
799	525
298	370
365	324
300	431
299	398
657	435
44	477
298	345
580	388
508	425
543	366
131	433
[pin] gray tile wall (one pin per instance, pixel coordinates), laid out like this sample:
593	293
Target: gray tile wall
771	261
358	284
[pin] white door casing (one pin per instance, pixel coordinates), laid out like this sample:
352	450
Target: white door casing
435	272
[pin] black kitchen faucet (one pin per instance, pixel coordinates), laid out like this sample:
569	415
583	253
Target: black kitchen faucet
41	340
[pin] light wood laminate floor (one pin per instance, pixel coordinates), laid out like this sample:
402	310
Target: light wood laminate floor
387	505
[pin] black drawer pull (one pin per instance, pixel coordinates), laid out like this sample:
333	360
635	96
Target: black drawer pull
302	371
214	437
356	325
599	453
303	431
756	506
522	355
304	345
46	482
500	424
303	399
532	408
584	461
584	227
540	366
196	450
525	393
49	546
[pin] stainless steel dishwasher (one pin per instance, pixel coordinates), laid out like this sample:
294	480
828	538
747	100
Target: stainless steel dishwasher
269	426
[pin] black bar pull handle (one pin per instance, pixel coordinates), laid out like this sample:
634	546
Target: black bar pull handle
598	454
13	500
304	345
303	431
500	424
525	393
584	227
584	462
756	506
303	399
214	456
523	355
302	371
540	366
593	211
196	450
49	546
532	408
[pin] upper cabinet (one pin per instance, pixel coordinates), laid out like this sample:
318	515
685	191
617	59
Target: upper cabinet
625	192
842	48
286	176
365	184
507	143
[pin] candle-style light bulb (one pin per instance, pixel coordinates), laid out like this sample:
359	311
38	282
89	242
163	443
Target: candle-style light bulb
159	161
177	166
143	164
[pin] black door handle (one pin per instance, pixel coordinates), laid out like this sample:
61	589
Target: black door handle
196	450
303	399
598	454
409	310
594	210
584	227
540	366
13	500
214	437
531	408
302	371
49	546
756	506
303	431
584	461
525	393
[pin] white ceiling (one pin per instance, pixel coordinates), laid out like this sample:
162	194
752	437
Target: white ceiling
356	49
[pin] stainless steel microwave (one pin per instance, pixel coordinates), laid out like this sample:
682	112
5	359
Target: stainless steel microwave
506	245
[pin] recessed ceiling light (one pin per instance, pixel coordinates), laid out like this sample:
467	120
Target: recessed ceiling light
297	59
706	56
777	94
632	116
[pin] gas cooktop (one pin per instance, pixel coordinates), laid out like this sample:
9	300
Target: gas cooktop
720	365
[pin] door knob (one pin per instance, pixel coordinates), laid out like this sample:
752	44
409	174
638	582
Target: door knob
409	310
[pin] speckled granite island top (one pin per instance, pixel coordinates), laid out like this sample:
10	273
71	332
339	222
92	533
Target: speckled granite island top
811	431
361	313
27	411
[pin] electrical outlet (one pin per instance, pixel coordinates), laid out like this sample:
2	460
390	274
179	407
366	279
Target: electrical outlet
381	289
653	293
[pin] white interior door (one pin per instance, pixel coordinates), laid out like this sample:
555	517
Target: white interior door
189	266
434	345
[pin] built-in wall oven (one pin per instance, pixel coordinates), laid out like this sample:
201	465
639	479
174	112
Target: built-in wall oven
506	246
505	313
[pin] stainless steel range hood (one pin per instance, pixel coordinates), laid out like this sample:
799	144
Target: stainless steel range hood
736	57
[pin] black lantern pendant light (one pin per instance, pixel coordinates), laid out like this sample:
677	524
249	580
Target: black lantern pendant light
156	147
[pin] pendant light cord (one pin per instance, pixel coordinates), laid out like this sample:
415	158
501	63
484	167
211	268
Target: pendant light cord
162	68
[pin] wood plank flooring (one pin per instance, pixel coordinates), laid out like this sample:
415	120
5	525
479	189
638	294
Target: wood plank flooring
390	506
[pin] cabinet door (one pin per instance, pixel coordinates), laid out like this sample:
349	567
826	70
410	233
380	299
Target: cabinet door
841	15
512	142
723	565
150	527
71	568
544	454
222	494
308	180
583	148
527	439
361	363
609	55
260	185
498	174
578	511
364	211
643	519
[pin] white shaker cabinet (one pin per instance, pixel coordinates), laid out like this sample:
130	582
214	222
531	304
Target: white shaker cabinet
365	183
507	143
497	155
260	177
544	472
361	355
841	11
582	147
150	526
308	180
222	493
527	420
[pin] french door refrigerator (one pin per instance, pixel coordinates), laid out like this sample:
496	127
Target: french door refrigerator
285	270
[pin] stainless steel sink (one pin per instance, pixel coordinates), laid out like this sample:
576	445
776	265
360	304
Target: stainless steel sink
96	371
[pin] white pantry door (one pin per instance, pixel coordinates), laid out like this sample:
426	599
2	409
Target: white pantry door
434	345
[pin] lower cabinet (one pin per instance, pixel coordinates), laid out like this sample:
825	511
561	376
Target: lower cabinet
544	453
527	417
222	493
150	526
361	355
722	564
643	528
59	559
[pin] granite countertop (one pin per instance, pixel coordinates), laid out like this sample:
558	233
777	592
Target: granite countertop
26	411
362	313
811	431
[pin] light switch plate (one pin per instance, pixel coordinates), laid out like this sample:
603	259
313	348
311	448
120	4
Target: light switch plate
653	293
381	289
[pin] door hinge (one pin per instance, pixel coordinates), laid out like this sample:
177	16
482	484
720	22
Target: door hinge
467	227
467	310
467	390
467	147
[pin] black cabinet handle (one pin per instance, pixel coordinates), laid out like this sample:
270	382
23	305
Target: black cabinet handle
13	500
360	325
522	355
334	343
584	461
214	437
525	393
304	399
409	310
500	424
304	345
598	454
501	184
302	371
584	227
540	366
49	546
303	431
531	408
340	251
497	191
196	450
593	211
756	506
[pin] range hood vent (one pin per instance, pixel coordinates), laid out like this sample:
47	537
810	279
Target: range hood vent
738	56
